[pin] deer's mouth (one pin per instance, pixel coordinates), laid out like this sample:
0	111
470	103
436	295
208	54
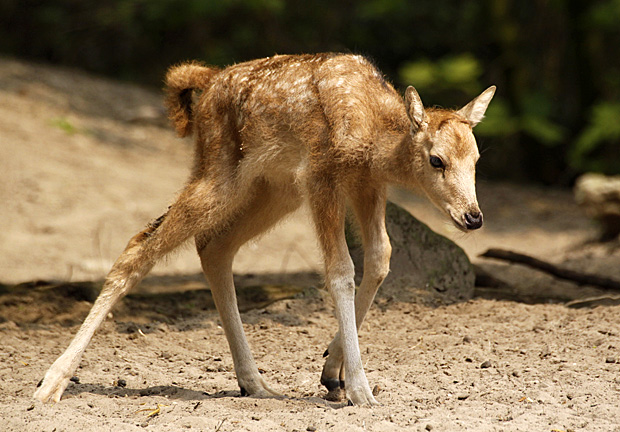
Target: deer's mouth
459	224
465	222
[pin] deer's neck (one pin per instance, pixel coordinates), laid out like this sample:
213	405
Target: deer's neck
395	161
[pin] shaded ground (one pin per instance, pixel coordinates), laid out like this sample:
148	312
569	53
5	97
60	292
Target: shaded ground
86	163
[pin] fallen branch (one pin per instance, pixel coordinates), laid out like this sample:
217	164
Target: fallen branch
559	272
608	300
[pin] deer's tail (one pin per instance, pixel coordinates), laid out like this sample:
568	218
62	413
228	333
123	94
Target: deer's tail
181	81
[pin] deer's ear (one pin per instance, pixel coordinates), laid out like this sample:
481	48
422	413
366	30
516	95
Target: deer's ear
474	111
415	108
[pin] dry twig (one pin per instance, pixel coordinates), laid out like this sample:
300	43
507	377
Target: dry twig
559	272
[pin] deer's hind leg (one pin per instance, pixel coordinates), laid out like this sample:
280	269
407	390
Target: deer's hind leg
201	207
269	205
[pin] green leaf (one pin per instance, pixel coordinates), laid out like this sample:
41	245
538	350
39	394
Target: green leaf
603	127
454	72
542	129
422	74
460	70
498	121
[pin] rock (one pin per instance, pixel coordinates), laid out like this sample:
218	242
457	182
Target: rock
599	196
486	364
425	266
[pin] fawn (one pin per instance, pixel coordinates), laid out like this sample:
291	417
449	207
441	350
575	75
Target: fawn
272	133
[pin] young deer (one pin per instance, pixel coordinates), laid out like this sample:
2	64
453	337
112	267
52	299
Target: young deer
270	134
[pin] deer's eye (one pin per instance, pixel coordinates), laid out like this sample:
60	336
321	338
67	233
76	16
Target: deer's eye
436	162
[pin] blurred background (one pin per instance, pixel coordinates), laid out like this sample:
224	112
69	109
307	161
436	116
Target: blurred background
555	62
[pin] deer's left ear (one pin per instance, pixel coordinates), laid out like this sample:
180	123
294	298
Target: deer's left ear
415	108
474	111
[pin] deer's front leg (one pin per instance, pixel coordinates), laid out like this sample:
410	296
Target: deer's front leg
328	212
369	206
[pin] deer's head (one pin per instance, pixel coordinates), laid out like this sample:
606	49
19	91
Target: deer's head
445	153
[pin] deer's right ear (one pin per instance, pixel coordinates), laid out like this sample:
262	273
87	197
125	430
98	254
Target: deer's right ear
415	108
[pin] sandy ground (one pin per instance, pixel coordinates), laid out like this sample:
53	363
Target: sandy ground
85	163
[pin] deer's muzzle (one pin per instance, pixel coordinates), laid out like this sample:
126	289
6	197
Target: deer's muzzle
473	220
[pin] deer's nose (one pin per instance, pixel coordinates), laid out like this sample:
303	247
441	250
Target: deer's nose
473	220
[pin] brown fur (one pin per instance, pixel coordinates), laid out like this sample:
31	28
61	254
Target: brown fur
451	122
270	134
181	81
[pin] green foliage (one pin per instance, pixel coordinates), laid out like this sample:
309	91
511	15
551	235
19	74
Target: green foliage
535	119
602	135
421	73
498	120
457	72
542	129
463	72
532	119
604	15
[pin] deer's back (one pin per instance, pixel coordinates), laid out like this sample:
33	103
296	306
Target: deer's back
285	113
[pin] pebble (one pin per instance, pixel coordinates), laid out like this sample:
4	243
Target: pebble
311	429
610	360
486	364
